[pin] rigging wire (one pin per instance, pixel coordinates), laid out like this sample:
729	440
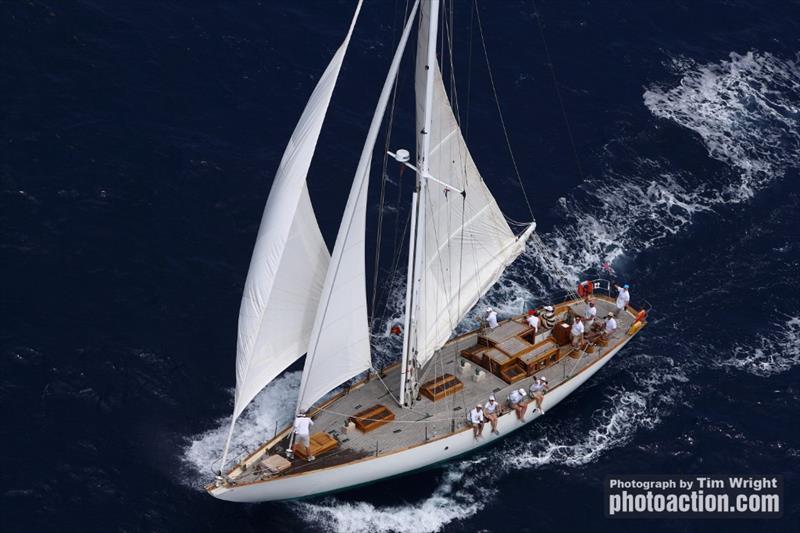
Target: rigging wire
384	179
500	113
550	64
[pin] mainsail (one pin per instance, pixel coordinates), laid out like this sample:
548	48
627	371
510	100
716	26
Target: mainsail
290	259
339	347
466	242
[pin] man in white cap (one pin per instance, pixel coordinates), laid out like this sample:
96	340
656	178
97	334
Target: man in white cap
302	432
611	326
477	421
491	317
490	411
589	314
548	317
516	400
576	332
623	297
538	388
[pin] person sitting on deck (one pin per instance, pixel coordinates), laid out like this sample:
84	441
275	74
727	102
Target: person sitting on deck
590	314
548	317
611	326
477	421
623	297
516	401
537	390
533	321
577	332
302	433
490	411
491	318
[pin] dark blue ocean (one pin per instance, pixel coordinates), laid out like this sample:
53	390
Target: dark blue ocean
138	142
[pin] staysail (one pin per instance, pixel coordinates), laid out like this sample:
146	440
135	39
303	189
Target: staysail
339	347
466	242
290	259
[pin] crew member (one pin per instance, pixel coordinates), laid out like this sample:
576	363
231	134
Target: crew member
302	431
576	333
548	317
611	326
491	317
537	390
490	411
590	314
477	421
533	321
623	297
516	400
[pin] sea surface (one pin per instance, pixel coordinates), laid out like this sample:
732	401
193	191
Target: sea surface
138	142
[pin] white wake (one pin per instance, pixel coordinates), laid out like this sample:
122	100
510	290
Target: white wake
772	352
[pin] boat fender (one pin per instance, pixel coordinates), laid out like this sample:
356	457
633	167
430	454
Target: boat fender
585	288
634	329
641	316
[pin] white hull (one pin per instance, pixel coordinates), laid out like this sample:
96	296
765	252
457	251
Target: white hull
401	462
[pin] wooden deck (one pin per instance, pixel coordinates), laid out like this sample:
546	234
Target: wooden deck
427	419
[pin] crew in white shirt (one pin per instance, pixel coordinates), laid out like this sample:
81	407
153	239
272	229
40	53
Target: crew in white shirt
491	317
611	325
477	421
516	400
537	390
577	332
302	431
533	321
623	297
590	314
490	411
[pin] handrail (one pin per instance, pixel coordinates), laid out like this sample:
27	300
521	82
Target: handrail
603	286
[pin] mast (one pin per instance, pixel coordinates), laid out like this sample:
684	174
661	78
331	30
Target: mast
416	260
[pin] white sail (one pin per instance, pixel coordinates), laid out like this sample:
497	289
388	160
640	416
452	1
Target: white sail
467	243
290	259
339	348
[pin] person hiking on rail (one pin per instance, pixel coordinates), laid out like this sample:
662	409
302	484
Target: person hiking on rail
490	411
516	401
477	420
537	389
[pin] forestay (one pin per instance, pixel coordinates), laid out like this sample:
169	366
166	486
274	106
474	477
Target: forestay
290	259
467	242
339	348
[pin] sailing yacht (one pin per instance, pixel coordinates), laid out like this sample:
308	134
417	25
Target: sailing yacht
299	299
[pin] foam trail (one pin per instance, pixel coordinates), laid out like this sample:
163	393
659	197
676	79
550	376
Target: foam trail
746	111
253	428
771	353
458	497
614	424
